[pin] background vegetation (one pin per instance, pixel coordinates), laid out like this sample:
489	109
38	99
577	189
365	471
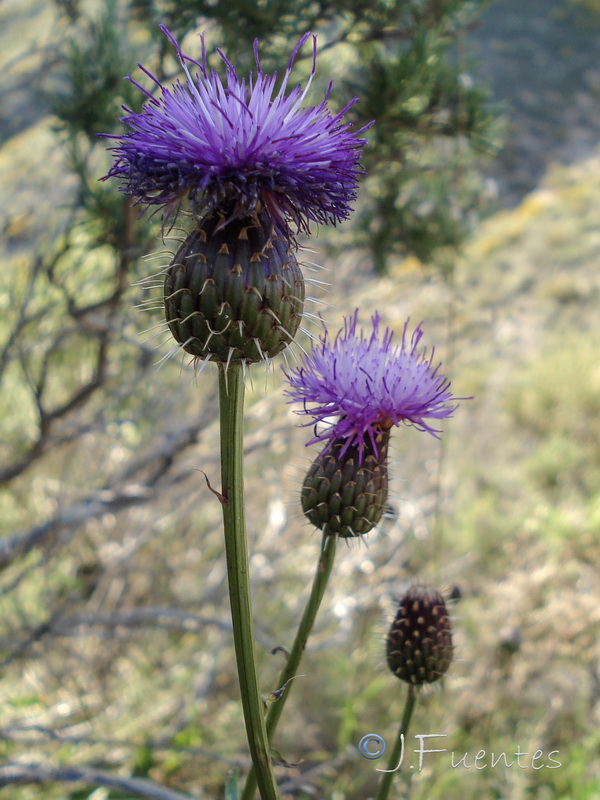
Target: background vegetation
114	635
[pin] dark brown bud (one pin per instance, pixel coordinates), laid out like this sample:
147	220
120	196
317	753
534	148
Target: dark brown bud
419	643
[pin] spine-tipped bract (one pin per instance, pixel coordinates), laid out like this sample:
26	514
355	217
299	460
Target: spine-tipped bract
345	490
234	291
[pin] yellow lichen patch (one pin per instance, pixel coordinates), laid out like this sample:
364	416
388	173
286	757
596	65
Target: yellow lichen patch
506	227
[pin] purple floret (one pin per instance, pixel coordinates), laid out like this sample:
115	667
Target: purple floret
240	147
370	385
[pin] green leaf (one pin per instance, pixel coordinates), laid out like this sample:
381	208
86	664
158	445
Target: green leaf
280	760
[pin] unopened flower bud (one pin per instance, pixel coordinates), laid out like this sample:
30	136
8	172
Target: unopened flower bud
345	490
234	291
419	642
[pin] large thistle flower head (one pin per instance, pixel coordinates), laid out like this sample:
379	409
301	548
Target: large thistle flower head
368	384
239	147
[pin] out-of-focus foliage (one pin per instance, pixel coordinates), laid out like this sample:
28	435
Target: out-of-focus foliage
99	55
423	187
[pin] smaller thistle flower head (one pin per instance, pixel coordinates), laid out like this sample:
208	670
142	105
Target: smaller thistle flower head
240	147
419	642
370	385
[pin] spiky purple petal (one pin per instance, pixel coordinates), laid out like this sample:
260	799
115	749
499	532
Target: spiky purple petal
370	384
240	146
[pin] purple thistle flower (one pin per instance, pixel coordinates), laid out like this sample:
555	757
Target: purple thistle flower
370	385
240	147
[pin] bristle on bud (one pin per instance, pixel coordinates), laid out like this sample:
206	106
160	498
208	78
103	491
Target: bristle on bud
234	291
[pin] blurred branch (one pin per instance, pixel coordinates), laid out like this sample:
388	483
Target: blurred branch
59	625
102	328
129	492
92	507
305	781
35	635
48	417
109	499
36	734
22	320
17	773
167	618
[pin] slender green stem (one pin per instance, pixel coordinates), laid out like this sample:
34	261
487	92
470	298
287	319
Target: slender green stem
322	573
231	401
395	755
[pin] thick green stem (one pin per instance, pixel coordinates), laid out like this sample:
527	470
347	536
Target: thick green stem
322	573
231	400
397	752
